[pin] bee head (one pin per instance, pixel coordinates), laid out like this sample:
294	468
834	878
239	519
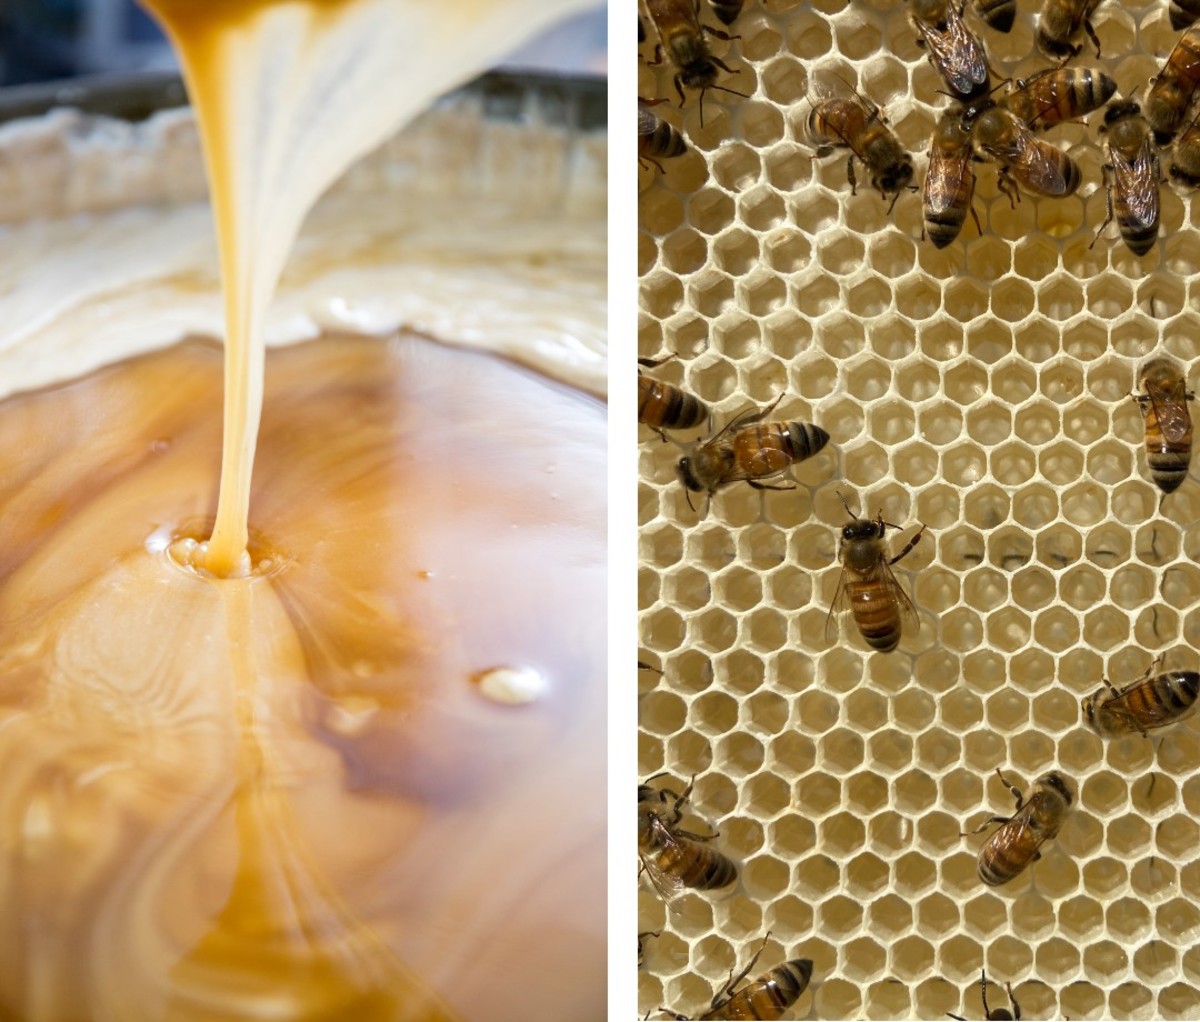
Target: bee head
862	528
698	74
1088	703
1059	784
1121	110
896	176
686	476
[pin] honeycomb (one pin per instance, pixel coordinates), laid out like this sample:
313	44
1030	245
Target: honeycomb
983	390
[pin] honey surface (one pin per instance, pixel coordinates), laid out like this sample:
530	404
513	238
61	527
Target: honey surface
288	795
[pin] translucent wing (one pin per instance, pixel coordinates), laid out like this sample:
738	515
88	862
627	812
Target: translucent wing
1035	163
1136	182
1171	410
957	54
948	176
669	887
837	609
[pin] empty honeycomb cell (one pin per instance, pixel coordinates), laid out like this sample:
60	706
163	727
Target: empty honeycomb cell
1008	956
711	292
914	793
1012	464
1058	546
1033	587
963	464
985	589
958	873
687	589
1131	1000
840	751
936	590
713	630
1081	1000
1178	836
1110	463
1012	299
1105	628
735	252
1054	711
736	167
785	252
765	878
891	751
1010	224
1156	962
1038	423
985	916
684	251
867	463
836	998
1155	624
964	300
961	629
766	796
917	298
843	834
989	423
940	422
937	750
1057	961
765	629
761	291
739	754
989	341
1036	340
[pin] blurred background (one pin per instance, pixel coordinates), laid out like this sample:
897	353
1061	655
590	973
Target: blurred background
45	40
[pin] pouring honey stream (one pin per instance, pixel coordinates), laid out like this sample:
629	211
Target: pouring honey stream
260	773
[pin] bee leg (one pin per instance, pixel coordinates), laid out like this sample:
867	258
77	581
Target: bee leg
718	34
765	486
983	993
984	826
1090	29
1006	184
1016	1008
658	56
1108	199
669	1013
683	99
850	175
1016	792
654	363
727	991
908	546
646	161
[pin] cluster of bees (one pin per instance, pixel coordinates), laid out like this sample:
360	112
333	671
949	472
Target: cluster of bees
978	125
749	450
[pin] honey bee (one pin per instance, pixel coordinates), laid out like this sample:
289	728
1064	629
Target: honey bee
1168	422
1185	166
1132	193
1038	819
674	858
994	1014
1183	13
1170	93
954	51
855	123
767	997
726	10
1151	702
1032	162
663	406
867	587
998	14
747	449
1060	22
949	181
656	138
681	35
1059	94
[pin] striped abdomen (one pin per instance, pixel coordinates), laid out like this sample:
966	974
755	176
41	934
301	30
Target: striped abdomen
658	138
692	863
999	14
1167	456
1183	13
876	612
726	10
769	996
770	447
1003	857
1151	703
664	406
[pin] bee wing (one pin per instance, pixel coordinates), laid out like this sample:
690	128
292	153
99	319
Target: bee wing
943	184
837	608
908	609
1137	182
956	53
669	887
1034	164
1171	410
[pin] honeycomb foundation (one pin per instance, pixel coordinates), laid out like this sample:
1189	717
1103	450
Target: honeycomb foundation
982	390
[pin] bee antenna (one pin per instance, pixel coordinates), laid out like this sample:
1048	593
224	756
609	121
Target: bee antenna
852	515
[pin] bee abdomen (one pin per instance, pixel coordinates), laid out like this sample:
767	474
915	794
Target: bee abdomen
1168	696
1168	466
998	866
876	615
803	439
664	406
942	228
658	138
726	10
1139	236
1183	13
999	14
697	867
